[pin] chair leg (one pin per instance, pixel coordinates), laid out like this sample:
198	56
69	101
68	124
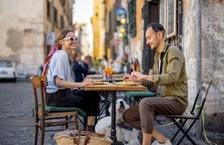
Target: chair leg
66	122
185	132
81	121
35	134
76	121
181	125
104	108
42	131
108	104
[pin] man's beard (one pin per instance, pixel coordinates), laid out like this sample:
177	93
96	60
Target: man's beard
152	48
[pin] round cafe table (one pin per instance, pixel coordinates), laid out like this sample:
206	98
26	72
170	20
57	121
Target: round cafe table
111	89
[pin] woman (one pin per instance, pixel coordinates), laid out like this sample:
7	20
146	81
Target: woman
60	90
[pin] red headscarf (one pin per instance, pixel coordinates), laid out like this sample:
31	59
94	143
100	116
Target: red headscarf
48	58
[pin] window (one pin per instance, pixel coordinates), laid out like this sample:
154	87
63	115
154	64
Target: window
110	23
171	20
48	10
132	17
62	22
5	63
168	17
62	2
55	16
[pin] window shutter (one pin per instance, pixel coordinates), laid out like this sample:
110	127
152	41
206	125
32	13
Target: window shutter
132	17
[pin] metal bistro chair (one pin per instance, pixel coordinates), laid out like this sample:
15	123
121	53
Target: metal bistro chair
194	115
49	116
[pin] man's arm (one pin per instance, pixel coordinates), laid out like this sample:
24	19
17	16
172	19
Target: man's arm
174	67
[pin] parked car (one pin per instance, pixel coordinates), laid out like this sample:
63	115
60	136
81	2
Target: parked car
7	70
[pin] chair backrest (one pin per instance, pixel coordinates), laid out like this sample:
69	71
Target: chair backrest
202	92
38	84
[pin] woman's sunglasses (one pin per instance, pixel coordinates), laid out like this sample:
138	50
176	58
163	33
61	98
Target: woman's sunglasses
72	38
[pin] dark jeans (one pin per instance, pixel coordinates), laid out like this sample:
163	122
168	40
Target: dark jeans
88	101
142	116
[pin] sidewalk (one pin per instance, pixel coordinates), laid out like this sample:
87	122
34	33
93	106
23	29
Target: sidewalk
16	119
170	130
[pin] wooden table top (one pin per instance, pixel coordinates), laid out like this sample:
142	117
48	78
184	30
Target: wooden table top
115	77
100	76
114	87
95	76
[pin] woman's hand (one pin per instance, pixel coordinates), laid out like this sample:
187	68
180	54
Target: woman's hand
87	82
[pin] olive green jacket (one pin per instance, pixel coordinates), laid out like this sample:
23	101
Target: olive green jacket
172	82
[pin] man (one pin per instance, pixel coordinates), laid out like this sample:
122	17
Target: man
78	69
169	75
87	63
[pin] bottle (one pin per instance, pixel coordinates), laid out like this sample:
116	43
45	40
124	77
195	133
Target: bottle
104	75
125	69
136	65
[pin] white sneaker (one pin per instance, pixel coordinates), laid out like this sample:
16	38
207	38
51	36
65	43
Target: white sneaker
157	143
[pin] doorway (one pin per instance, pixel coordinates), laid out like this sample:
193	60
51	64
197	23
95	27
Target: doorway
150	14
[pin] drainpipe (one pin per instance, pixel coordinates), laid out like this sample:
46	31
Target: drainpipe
198	55
52	15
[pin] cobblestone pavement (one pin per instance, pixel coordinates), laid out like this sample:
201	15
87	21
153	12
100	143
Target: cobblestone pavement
16	120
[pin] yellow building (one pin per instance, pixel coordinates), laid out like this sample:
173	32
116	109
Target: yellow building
98	22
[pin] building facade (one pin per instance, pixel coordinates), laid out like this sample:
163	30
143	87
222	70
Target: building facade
109	28
197	28
25	26
116	22
84	39
98	24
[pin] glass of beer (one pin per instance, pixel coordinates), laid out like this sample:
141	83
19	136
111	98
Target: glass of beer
108	72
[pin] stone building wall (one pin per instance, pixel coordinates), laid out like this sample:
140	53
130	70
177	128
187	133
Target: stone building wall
21	34
213	51
24	25
212	44
213	61
203	30
189	40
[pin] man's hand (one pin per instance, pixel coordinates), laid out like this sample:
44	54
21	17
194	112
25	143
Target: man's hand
136	75
126	77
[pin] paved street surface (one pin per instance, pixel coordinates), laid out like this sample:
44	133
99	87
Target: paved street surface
16	120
